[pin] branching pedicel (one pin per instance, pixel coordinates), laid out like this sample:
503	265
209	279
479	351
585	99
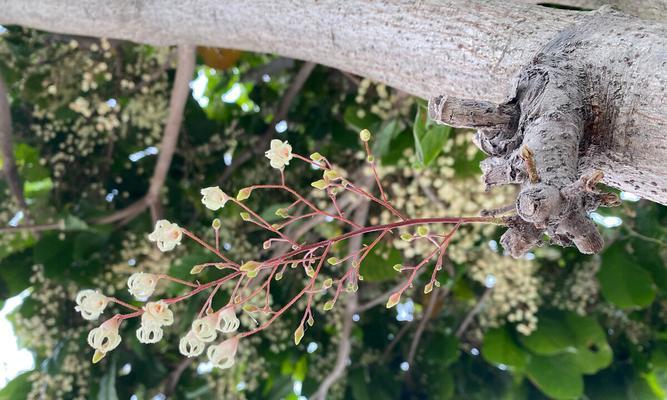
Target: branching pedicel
311	257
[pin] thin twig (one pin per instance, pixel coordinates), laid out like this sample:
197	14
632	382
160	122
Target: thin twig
345	344
433	300
7	151
172	379
281	114
177	101
474	311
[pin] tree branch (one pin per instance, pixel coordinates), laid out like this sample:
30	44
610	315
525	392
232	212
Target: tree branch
345	345
474	311
177	101
7	151
432	301
281	114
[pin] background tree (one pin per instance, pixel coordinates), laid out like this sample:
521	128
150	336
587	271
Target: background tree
96	121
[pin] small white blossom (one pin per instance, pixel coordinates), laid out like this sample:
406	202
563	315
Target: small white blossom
105	337
149	333
222	355
279	154
91	304
228	321
157	313
214	198
142	285
190	345
205	328
166	234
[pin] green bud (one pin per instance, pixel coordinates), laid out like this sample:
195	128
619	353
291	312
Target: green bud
298	334
216	224
316	156
422	231
333	260
406	236
393	299
243	194
331	175
327	283
328	305
428	288
397	267
245	216
320	184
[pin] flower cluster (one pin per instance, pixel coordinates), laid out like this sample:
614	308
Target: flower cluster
154	316
251	279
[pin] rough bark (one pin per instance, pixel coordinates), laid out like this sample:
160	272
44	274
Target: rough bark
648	9
586	89
586	104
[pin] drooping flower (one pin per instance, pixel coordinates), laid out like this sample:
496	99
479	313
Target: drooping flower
91	304
279	154
149	333
214	198
228	321
205	328
190	345
104	338
166	234
142	285
222	355
157	313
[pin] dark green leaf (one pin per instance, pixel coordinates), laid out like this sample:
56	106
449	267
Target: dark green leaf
501	348
623	282
557	376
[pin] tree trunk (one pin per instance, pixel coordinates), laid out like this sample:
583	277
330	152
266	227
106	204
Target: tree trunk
586	90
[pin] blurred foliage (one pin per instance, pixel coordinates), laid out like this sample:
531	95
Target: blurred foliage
87	115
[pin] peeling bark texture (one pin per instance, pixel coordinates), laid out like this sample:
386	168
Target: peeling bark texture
587	88
648	9
584	106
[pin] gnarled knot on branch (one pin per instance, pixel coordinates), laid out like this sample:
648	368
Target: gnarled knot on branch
534	140
560	114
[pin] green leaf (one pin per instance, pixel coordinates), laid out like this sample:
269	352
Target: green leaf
623	282
501	348
17	388
382	143
107	390
581	338
443	349
551	337
429	137
557	376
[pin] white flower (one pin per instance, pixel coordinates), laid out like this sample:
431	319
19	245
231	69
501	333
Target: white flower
157	313
214	198
149	333
166	234
228	317
91	303
190	345
105	337
222	355
142	285
205	328
279	154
